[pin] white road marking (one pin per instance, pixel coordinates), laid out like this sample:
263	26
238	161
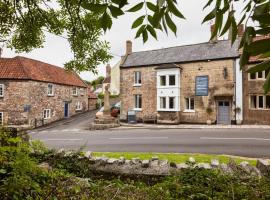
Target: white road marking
139	138
218	138
62	139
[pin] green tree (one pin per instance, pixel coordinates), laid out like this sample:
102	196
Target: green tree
22	25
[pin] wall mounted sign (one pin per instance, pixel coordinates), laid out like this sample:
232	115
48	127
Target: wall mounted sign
201	85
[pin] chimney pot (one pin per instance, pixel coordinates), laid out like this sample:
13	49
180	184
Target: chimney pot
128	47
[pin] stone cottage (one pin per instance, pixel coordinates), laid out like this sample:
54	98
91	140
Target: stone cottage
33	93
184	84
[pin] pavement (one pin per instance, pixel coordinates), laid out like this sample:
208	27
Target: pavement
73	134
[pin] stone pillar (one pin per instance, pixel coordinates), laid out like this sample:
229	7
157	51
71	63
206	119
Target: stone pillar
106	101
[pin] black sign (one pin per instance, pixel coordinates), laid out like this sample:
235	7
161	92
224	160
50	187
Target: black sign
201	87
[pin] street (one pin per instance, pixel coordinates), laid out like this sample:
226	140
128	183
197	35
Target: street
73	135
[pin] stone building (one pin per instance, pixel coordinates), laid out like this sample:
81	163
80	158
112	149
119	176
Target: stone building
33	93
256	104
184	84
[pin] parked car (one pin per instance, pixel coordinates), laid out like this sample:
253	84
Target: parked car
115	110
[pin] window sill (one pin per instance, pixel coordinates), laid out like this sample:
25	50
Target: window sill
50	95
137	85
260	109
137	109
189	111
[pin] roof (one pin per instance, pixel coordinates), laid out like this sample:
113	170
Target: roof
91	95
107	80
258	58
28	69
168	66
221	49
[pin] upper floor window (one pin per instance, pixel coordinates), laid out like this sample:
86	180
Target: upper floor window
138	101
82	91
162	80
259	102
1	118
137	78
46	113
50	90
259	75
75	91
2	88
190	104
78	105
172	80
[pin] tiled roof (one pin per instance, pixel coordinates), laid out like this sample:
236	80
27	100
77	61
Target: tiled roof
28	69
254	59
221	49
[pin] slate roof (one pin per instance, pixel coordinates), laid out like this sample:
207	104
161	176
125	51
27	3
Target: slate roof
22	68
221	49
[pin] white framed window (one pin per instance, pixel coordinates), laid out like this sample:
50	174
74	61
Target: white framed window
50	90
2	90
46	113
259	75
171	102
172	80
253	102
75	91
78	105
1	118
190	104
259	102
137	78
138	102
82	91
162	80
163	103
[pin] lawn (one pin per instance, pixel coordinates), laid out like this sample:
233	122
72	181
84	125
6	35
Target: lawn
176	157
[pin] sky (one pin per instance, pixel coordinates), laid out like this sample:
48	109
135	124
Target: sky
56	50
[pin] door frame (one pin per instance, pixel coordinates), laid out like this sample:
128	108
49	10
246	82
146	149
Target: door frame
66	114
230	108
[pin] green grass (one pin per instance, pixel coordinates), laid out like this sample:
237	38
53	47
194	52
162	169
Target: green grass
176	157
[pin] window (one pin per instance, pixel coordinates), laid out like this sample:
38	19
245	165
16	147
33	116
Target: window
2	90
190	104
82	91
163	102
137	78
253	101
50	91
78	105
75	91
162	80
267	102
252	76
1	118
261	102
172	102
47	114
260	75
172	80
138	101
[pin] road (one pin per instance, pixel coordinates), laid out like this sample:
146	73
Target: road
72	135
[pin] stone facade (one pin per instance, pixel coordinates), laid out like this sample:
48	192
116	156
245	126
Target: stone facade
18	94
221	87
254	87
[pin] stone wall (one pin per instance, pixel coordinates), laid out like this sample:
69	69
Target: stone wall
92	103
220	88
33	93
254	87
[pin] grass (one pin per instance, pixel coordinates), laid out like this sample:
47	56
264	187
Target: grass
176	157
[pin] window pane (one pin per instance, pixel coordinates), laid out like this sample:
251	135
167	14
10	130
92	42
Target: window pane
253	101
260	74
138	78
261	102
1	90
267	102
163	102
187	103
226	103
1	118
171	102
192	103
162	80
253	76
172	80
140	101
220	103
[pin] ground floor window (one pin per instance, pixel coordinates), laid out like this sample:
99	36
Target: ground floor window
171	102
259	102
46	113
78	105
138	101
1	118
190	104
163	102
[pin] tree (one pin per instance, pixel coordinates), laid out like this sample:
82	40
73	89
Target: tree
83	20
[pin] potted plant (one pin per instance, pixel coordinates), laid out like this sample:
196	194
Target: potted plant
209	112
237	111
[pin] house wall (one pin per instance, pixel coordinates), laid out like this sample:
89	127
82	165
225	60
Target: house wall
33	93
115	79
219	89
253	87
92	103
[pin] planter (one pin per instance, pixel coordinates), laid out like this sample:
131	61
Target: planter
209	122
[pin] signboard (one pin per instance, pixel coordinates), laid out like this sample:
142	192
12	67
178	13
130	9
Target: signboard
131	118
201	87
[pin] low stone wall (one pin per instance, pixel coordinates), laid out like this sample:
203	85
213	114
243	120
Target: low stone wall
158	167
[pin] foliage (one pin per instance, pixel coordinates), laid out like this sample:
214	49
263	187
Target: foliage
97	81
237	110
209	110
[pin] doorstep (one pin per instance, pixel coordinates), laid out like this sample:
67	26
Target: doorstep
191	126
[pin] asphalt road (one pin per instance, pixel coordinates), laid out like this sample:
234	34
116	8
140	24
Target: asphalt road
71	135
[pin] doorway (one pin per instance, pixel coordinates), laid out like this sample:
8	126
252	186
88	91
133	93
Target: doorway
66	109
224	112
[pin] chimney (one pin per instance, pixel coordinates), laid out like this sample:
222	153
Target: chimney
212	28
128	47
108	70
241	30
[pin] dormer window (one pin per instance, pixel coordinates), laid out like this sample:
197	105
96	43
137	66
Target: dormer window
50	90
75	91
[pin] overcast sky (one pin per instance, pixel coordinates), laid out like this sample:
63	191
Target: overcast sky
56	50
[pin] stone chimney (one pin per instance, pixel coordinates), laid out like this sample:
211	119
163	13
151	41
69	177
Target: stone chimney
108	70
241	30
128	47
212	28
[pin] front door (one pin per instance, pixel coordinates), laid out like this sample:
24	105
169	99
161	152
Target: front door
224	114
66	108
